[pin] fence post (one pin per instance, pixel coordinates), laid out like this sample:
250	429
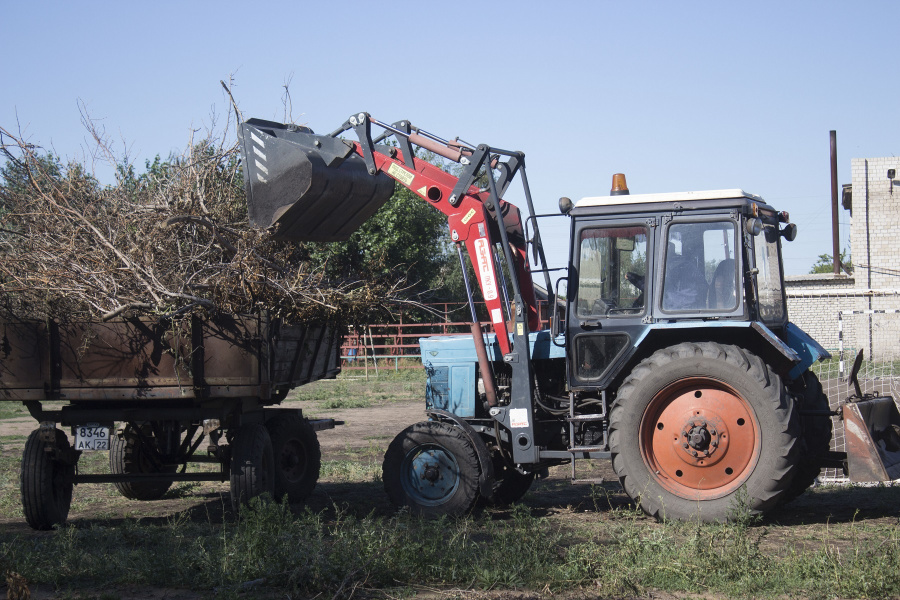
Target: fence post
372	346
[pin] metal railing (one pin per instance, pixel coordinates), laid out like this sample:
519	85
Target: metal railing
396	345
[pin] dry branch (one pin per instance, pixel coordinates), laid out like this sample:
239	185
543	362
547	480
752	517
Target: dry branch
171	242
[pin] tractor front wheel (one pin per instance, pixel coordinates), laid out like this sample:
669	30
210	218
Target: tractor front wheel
695	424
432	468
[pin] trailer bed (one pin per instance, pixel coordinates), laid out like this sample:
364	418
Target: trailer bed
142	359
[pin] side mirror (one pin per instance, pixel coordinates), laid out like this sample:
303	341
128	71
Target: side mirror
789	232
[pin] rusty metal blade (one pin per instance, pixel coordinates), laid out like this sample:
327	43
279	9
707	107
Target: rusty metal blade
873	444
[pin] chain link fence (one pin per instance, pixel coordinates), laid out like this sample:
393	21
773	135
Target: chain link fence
875	331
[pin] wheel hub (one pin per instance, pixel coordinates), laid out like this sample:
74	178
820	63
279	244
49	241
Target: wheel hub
699	438
432	472
430	475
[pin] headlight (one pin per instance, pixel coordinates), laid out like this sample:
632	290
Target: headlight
753	226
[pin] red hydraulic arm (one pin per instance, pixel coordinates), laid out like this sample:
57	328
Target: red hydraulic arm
471	222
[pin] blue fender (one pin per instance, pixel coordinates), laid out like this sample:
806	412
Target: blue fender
809	350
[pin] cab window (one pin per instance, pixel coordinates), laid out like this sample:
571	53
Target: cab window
700	268
612	271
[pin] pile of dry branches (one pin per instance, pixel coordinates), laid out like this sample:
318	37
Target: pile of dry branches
171	242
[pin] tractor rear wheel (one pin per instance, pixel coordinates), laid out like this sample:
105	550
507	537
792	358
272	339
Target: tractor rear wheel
432	468
817	432
695	424
46	482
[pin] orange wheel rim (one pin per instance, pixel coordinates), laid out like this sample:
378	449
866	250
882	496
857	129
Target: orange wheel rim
700	438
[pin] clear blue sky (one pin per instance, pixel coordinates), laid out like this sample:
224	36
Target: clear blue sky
677	95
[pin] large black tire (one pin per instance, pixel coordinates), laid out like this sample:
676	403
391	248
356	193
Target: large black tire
46	483
128	455
817	432
298	458
704	431
252	464
433	469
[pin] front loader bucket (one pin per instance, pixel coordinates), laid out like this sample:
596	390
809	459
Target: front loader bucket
871	428
310	187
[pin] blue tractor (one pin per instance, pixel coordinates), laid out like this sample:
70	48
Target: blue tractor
674	358
670	351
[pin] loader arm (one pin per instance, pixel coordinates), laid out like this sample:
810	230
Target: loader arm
475	226
478	218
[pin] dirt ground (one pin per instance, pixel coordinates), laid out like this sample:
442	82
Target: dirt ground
361	441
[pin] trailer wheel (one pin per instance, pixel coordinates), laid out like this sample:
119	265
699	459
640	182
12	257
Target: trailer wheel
252	464
432	468
298	458
130	455
46	482
696	424
817	432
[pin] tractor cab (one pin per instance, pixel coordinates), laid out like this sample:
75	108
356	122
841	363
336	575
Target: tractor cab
648	268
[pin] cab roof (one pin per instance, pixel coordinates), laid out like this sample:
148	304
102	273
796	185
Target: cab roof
734	194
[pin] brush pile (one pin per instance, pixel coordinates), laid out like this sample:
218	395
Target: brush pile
171	242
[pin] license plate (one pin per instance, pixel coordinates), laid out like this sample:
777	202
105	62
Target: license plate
91	437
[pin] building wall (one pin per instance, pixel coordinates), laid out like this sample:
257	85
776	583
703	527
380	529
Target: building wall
814	302
875	223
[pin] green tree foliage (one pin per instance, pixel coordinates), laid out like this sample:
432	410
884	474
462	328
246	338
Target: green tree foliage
404	237
20	176
825	263
47	171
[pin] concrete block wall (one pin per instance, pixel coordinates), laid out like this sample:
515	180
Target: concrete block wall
814	302
875	223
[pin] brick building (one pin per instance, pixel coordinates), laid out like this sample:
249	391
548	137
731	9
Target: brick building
816	301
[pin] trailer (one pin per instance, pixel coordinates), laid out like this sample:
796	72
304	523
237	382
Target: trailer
159	395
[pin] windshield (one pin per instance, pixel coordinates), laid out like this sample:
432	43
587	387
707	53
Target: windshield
612	270
768	276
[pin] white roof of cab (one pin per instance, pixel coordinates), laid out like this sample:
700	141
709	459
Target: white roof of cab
666	197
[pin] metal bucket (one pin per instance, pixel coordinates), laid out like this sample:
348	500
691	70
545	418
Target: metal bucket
309	187
871	429
871	432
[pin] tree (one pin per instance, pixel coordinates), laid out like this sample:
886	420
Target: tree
825	263
406	237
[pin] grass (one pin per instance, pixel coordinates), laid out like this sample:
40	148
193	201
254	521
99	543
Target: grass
334	553
598	546
350	391
11	410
